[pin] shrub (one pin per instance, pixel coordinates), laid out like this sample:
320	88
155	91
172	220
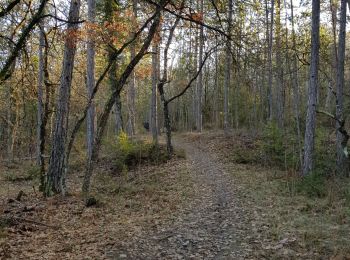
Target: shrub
313	185
279	148
129	154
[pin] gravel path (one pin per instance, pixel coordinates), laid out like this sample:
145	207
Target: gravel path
211	226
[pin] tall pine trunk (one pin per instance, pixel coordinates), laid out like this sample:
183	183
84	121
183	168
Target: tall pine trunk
342	136
279	85
295	83
309	142
132	88
228	67
199	116
90	77
270	78
55	180
154	115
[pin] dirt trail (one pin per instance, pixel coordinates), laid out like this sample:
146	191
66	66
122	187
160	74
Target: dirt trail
211	226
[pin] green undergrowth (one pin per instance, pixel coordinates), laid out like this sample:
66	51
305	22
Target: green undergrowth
128	154
27	174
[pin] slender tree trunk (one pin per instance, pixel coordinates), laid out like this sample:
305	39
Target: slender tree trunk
269	85
118	109
342	136
154	118
228	64
295	83
216	85
279	85
90	79
132	88
200	77
42	111
55	175
309	142
333	78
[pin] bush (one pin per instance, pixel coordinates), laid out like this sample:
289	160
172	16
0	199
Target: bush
279	148
33	173
313	185
129	154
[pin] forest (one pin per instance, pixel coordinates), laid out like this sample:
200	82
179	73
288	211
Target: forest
174	129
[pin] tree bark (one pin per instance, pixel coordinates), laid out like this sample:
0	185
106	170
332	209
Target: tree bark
269	85
199	117
154	116
342	154
279	62
132	88
309	142
42	112
228	65
90	78
295	83
55	175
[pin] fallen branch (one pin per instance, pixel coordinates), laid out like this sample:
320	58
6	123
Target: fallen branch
13	219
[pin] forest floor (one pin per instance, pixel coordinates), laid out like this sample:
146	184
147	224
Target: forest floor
204	206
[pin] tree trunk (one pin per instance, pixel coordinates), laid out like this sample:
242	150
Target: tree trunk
199	116
279	85
228	65
269	85
342	156
295	83
90	78
132	88
309	142
118	109
154	117
42	111
55	175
